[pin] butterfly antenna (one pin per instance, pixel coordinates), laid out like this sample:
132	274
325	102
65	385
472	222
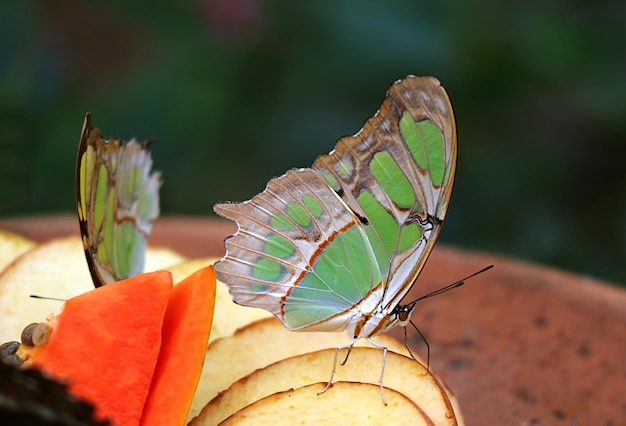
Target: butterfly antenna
456	284
34	296
441	290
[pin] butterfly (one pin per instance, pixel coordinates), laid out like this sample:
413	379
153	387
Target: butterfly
117	198
30	397
338	245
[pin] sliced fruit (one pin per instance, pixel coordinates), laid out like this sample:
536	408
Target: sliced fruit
454	402
159	258
259	344
186	329
228	316
105	344
53	269
12	246
401	374
347	404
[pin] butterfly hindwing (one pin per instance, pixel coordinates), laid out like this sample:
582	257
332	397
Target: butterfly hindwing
118	202
295	220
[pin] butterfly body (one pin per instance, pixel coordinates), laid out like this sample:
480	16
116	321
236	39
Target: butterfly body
118	201
337	246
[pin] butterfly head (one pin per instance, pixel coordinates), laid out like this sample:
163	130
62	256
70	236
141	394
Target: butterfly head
401	314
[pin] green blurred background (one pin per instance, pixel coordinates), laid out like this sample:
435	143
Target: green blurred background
235	92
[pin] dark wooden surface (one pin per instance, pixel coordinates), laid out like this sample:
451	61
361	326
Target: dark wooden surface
521	344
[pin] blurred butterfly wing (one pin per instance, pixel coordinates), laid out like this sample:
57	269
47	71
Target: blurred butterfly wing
30	397
118	201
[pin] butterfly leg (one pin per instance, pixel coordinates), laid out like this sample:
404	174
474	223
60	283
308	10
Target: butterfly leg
382	369
332	373
406	344
347	354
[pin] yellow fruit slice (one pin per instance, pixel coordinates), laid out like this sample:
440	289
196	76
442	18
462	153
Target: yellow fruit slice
401	374
12	246
259	344
347	404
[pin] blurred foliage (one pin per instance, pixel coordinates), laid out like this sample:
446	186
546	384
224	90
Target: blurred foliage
235	92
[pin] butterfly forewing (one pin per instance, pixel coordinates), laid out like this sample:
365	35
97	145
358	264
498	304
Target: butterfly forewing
347	238
397	173
118	202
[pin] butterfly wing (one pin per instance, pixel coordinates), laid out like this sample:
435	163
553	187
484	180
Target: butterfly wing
118	201
355	229
397	174
297	241
31	397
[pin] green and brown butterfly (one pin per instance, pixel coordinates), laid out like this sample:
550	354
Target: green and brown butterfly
117	198
337	246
